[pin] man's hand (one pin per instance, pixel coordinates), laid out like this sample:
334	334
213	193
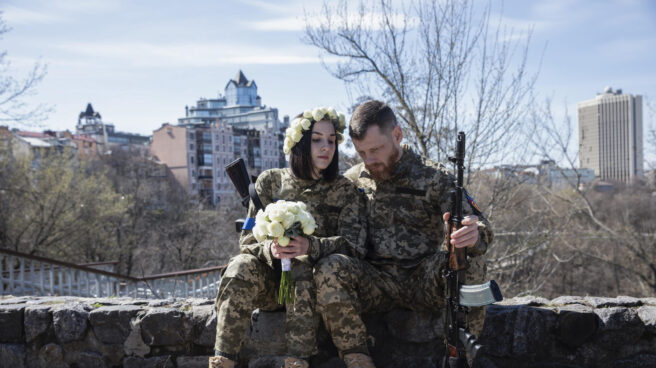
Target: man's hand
297	246
467	235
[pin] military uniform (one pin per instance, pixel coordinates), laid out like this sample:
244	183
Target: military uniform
405	255
251	279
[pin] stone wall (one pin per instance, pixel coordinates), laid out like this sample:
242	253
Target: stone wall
522	332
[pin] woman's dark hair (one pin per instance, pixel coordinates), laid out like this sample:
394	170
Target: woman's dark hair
300	159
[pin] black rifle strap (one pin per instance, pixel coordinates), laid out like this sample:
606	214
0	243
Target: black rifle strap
254	197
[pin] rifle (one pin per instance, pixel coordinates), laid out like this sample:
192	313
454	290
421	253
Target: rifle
237	172
459	297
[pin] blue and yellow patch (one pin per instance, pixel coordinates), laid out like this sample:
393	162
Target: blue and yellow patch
477	210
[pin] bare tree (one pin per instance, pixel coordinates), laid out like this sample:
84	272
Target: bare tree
588	242
13	91
442	65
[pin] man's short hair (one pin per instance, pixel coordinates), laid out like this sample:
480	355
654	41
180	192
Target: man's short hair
371	113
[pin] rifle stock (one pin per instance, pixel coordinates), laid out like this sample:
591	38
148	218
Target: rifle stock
238	174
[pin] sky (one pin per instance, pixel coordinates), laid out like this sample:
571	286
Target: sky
141	62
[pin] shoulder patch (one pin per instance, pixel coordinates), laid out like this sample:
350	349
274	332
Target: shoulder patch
477	210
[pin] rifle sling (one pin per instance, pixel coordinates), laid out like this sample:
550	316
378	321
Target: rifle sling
254	197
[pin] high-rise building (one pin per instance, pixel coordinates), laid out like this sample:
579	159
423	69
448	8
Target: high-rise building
610	135
217	131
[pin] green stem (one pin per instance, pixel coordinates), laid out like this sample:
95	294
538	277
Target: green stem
286	292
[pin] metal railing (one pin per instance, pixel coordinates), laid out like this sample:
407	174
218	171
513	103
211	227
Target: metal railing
24	274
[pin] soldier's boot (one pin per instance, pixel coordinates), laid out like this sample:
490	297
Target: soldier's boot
221	362
358	360
291	362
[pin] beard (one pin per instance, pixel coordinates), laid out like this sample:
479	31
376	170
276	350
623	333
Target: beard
383	170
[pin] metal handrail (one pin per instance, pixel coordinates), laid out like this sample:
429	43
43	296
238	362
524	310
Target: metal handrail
54	277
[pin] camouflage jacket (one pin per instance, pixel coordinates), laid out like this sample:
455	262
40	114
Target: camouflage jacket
405	212
338	208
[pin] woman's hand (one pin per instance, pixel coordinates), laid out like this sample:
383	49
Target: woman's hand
297	246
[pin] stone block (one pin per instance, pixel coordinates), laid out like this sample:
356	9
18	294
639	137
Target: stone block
70	322
134	344
518	331
163	326
568	300
618	326
11	320
410	326
192	361
89	359
48	356
153	362
111	324
529	300
575	326
620	301
647	315
37	322
267	333
12	355
267	361
203	320
637	361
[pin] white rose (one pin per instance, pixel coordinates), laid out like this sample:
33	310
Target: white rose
287	150
260	231
296	124
275	230
302	217
288	220
283	241
332	113
318	114
305	123
276	214
292	208
309	229
296	137
307	114
302	206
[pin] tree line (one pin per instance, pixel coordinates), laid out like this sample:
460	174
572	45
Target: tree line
120	206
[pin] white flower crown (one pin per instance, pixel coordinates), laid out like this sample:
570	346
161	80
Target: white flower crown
294	133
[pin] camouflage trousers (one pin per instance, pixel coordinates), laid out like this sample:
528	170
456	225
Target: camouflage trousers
347	287
249	283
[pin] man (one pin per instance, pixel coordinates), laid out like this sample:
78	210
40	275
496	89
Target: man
408	201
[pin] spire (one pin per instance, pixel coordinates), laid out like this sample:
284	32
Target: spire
89	111
240	79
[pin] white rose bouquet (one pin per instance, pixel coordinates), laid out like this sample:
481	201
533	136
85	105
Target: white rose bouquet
282	220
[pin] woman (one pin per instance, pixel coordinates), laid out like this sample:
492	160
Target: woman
251	278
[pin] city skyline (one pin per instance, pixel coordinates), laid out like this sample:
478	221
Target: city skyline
141	66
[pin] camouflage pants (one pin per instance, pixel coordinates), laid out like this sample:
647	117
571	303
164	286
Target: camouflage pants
249	283
347	287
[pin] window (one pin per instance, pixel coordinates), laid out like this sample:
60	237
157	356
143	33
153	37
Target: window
191	146
191	158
